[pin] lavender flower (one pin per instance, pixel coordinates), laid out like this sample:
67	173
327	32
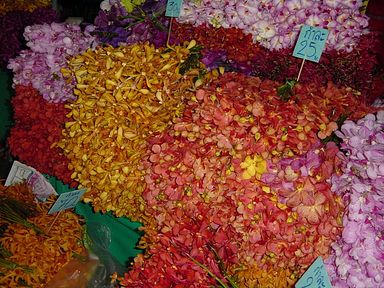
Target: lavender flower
50	47
275	24
358	256
115	26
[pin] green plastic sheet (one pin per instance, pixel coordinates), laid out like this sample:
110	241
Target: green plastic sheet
124	233
5	105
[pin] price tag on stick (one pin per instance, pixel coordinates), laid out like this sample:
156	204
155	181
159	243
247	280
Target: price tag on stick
310	44
315	277
173	8
173	11
67	200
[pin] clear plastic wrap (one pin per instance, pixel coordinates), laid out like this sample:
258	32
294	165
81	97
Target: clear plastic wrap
77	273
98	240
94	271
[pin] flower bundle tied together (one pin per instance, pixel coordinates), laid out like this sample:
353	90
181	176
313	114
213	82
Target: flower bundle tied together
38	257
276	24
38	126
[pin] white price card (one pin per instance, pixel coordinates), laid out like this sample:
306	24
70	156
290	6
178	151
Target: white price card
19	173
34	179
67	200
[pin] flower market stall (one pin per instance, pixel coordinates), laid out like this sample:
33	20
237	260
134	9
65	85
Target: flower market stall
208	155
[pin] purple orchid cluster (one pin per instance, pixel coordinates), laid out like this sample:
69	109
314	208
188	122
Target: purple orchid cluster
13	24
114	25
358	256
275	24
50	47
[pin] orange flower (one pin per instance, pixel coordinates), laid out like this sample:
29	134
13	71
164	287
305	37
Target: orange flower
326	129
313	212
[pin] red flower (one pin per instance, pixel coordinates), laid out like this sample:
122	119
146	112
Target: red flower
37	128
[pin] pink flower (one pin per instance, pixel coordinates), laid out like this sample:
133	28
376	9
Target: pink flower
314	211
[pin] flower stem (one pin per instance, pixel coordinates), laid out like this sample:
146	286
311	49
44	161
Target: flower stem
210	273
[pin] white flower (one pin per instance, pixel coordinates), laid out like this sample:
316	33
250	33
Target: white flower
266	29
105	5
331	3
313	20
216	18
293	5
247	13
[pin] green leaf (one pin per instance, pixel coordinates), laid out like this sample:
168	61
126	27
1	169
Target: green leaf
193	60
333	137
285	91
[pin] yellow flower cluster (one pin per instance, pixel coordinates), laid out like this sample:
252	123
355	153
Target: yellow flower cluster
22	5
125	94
259	278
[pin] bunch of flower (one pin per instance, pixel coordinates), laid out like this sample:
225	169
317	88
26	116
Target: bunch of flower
131	22
238	187
50	46
32	251
37	127
7	6
234	50
357	258
13	24
275	24
125	94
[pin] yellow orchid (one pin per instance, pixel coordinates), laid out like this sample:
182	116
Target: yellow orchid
253	166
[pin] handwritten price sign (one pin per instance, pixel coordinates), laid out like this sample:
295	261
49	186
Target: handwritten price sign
19	173
315	277
311	43
173	8
66	200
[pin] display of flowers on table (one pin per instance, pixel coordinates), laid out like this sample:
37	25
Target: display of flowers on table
124	95
235	49
235	185
245	174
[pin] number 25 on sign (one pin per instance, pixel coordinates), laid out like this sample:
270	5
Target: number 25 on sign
310	44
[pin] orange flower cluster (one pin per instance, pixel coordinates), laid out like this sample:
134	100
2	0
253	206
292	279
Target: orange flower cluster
244	172
40	256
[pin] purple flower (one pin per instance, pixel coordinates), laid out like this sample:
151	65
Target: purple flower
358	256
